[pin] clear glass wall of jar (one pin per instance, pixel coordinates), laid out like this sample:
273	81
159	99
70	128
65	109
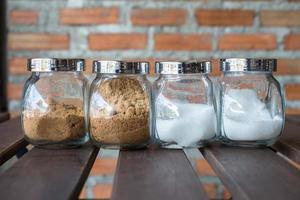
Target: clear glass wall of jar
183	103
53	103
251	102
120	105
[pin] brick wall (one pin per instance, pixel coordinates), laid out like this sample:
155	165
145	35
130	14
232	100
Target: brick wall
158	29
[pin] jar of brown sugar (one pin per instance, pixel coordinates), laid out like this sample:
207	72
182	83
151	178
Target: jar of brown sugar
53	103
119	105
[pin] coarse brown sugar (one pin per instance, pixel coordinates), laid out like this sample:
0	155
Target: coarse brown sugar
125	119
62	121
119	130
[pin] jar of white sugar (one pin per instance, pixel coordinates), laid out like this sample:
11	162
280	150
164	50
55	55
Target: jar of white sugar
119	105
251	102
184	108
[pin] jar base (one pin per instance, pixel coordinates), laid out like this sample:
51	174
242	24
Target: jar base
248	144
122	147
71	144
167	145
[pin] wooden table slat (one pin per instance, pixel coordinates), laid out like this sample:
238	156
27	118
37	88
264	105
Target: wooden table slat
254	173
4	116
293	119
156	174
11	139
48	174
289	143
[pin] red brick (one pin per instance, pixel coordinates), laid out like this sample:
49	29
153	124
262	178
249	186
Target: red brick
158	16
247	42
183	42
288	67
225	17
102	191
226	195
292	111
292	42
280	18
82	194
89	65
18	66
215	67
14	91
292	91
195	98
117	41
104	166
24	17
211	190
204	169
188	89
89	16
37	41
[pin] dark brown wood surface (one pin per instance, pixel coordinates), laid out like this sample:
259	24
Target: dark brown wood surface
4	116
289	143
293	118
254	173
155	174
48	174
11	139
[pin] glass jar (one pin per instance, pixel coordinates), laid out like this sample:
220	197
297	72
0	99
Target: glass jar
53	103
184	107
119	105
251	102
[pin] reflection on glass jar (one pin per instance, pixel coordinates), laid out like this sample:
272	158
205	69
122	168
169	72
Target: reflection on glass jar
184	108
119	106
252	105
53	103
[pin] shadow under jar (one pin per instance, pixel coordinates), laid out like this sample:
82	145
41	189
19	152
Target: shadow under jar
119	105
251	102
184	107
53	103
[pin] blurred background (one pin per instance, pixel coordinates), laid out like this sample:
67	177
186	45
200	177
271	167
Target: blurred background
147	30
154	29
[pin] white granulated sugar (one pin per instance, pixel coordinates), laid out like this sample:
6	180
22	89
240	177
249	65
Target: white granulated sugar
246	118
185	124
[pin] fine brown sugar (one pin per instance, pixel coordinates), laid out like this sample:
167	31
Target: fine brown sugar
63	121
125	119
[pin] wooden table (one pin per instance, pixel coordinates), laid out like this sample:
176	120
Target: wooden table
154	173
4	116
